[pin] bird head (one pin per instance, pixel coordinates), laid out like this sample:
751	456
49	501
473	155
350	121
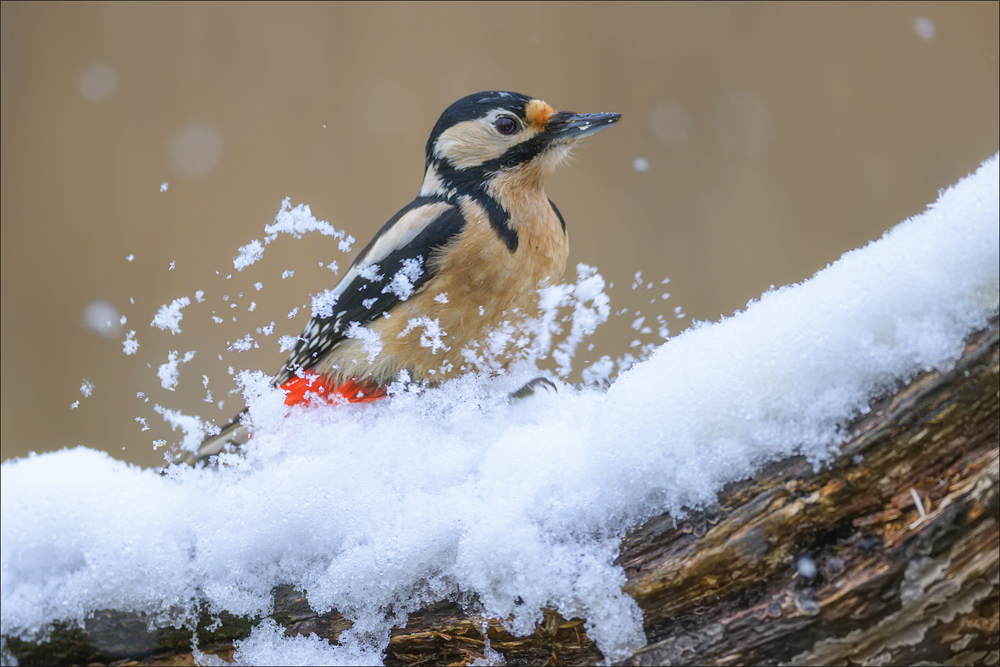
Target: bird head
492	134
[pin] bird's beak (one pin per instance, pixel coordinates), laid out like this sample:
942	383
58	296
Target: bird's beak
566	125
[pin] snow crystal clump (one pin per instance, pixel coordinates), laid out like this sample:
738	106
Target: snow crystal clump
299	220
371	341
168	317
323	303
264	401
295	221
453	493
244	344
286	343
591	308
249	254
432	336
369	272
402	283
168	372
192	427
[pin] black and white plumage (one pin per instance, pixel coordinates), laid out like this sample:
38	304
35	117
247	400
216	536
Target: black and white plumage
465	256
405	247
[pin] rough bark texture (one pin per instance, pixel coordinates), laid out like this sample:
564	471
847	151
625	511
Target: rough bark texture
889	555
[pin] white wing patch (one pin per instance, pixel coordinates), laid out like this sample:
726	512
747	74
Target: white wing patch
401	233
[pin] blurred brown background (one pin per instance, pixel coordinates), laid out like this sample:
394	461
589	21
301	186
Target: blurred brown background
759	143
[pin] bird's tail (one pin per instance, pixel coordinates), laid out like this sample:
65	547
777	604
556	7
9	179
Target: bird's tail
234	433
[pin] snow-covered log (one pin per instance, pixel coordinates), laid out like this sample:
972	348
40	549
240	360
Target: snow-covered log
813	480
887	555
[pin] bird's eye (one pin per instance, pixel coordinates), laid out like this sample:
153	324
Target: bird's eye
505	125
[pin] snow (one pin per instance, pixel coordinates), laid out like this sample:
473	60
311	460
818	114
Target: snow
244	344
433	335
192	427
268	645
402	283
296	222
130	345
168	317
287	343
371	341
369	272
322	305
591	308
168	372
87	388
299	220
249	254
377	510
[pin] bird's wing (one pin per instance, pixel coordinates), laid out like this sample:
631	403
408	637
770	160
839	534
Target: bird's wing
392	267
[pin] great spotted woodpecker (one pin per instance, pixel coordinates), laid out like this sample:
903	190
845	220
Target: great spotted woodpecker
467	254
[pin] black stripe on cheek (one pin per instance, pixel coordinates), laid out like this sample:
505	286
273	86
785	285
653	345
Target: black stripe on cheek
518	154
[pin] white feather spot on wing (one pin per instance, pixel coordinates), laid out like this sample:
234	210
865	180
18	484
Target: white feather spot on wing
400	234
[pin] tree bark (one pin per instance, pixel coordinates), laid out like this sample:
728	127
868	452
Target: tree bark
887	555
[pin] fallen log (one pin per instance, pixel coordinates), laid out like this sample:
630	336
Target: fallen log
886	555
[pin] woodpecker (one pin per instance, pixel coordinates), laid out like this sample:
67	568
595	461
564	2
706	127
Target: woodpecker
464	256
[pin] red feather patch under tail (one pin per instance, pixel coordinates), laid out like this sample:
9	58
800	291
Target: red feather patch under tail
317	390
